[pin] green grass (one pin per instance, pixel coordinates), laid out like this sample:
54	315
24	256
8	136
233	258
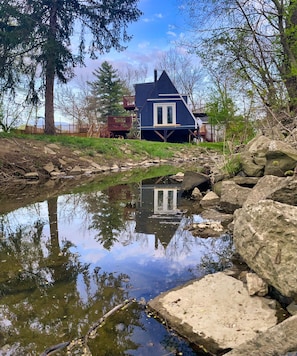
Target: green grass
111	148
121	150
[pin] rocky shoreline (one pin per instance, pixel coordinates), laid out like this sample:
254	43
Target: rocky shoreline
234	310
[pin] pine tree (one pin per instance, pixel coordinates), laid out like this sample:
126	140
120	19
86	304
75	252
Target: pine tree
48	28
107	92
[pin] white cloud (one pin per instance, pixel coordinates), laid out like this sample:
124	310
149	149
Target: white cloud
171	33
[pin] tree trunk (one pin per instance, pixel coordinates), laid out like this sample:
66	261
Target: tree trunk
50	71
49	100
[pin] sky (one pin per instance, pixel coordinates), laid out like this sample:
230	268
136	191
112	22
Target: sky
156	31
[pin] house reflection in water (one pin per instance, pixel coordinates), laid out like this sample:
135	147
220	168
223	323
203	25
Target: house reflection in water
157	211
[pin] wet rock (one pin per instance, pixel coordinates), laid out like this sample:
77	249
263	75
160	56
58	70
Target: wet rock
215	312
212	214
233	196
206	229
194	179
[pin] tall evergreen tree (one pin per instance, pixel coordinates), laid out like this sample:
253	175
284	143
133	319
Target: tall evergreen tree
107	91
49	28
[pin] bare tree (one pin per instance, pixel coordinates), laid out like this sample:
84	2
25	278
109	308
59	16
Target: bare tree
131	75
14	111
73	102
186	76
255	41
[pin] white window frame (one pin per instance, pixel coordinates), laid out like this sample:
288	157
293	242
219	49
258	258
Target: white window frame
165	205
164	107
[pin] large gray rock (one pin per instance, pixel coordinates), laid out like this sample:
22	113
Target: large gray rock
194	179
250	163
279	340
281	157
265	236
263	156
233	196
216	312
283	190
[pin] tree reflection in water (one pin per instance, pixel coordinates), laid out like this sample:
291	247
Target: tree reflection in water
69	260
40	301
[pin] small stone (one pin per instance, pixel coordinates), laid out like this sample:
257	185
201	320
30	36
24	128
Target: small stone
292	308
32	175
49	167
256	285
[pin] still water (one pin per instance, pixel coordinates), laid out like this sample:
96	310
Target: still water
68	260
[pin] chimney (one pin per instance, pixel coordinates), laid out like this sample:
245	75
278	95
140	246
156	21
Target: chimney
155	75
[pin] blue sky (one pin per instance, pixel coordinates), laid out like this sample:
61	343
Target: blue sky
155	32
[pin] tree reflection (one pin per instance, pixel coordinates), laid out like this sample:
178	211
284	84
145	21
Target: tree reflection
219	256
48	296
108	214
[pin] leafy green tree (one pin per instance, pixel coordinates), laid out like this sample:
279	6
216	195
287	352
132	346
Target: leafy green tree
107	92
223	112
255	41
46	30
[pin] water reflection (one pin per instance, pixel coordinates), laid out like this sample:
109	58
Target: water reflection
68	260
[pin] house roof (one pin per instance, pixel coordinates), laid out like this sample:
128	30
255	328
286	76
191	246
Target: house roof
144	91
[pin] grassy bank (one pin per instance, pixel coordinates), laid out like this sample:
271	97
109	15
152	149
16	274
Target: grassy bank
120	149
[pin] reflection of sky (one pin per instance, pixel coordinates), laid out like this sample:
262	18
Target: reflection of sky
151	269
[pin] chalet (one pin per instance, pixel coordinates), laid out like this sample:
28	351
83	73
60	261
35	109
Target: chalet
163	113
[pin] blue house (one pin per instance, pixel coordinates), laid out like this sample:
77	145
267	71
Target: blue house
163	114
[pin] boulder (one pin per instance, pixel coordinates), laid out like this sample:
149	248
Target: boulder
211	199
281	189
258	144
250	164
233	196
263	156
216	312
281	157
279	340
264	235
194	179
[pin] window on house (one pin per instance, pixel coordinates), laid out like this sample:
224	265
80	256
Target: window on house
164	114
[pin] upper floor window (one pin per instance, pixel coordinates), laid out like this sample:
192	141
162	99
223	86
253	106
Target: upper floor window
164	114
